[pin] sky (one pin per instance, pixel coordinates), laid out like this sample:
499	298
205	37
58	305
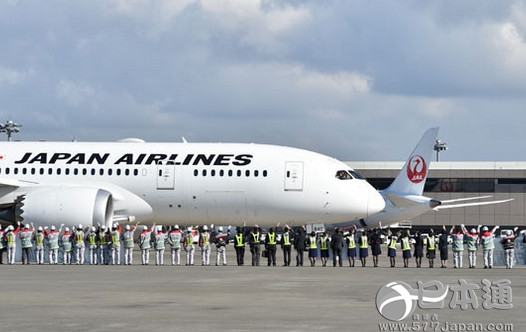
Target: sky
356	80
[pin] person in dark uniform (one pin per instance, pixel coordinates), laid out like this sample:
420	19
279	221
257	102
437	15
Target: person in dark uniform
351	246
312	244
391	247
270	246
239	245
375	241
406	247
419	248
299	245
336	246
286	245
255	244
443	247
431	247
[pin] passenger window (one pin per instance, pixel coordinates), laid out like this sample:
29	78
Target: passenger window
265	174
196	172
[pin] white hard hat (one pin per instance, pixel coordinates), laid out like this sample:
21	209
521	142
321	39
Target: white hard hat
159	228
93	229
176	226
52	227
220	228
485	228
26	226
205	228
80	226
67	229
103	227
144	227
127	227
473	230
114	226
40	228
509	232
10	228
189	229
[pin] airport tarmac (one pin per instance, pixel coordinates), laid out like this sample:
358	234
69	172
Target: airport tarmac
246	298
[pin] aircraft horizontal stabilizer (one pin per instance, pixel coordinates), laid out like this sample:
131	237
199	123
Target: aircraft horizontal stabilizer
451	206
464	199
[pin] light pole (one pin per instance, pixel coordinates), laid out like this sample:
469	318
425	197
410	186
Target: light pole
439	147
10	127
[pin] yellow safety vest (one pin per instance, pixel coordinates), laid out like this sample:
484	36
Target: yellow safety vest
364	243
11	238
312	242
271	238
431	242
352	242
286	239
115	238
392	243
255	237
39	239
405	244
324	243
92	238
239	240
205	238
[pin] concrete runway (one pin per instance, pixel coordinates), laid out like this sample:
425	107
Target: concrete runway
232	298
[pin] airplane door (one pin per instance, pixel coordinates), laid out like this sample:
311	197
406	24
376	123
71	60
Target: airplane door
294	176
165	177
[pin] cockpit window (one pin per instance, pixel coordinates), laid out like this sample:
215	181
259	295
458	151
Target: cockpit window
343	175
356	175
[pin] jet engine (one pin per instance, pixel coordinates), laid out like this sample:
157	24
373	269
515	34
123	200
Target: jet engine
63	205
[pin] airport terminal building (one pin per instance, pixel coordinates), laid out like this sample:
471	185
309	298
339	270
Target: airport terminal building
454	180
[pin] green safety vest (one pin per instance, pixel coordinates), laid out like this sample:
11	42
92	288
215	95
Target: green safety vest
205	238
92	239
271	238
39	239
352	242
102	238
405	244
324	243
286	239
255	237
79	236
364	243
312	242
392	242
115	238
431	242
11	238
239	240
189	240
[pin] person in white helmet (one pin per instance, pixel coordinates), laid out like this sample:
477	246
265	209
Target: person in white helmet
160	235
78	239
103	241
116	244
39	245
221	240
127	238
175	239
26	240
91	238
11	243
508	244
66	241
188	244
145	243
204	243
52	238
473	240
487	239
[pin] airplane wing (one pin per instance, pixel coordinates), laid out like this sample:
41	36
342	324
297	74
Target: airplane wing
10	183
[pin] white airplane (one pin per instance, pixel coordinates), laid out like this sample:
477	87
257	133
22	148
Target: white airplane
49	183
404	199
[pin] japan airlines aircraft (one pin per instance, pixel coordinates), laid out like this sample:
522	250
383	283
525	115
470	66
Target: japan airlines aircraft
404	199
188	183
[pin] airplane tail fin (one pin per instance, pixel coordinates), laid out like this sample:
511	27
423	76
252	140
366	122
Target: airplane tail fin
412	177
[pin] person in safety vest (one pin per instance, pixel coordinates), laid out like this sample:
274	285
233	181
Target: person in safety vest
66	241
204	243
286	245
271	246
457	236
255	244
175	239
188	244
221	240
129	244
91	238
52	238
104	247
159	235
145	243
350	239
406	247
115	243
324	242
472	240
239	244
487	239
312	244
10	239
431	242
78	239
26	240
363	244
39	237
391	246
508	244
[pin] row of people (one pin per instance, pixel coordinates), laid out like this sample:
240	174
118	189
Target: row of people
104	245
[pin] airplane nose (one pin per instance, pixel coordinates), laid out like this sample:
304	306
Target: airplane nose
376	203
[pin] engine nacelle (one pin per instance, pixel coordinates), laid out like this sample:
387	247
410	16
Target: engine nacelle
66	205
